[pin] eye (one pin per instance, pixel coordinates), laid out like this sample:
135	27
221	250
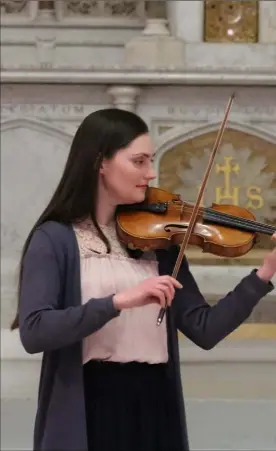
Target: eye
139	162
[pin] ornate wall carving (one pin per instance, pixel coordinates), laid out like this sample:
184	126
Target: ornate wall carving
115	8
13	6
101	8
93	9
18	11
128	8
244	174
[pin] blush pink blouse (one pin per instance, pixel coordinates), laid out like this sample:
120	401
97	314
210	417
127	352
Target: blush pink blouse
133	335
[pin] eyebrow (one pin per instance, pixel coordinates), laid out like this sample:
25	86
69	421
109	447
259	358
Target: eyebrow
142	154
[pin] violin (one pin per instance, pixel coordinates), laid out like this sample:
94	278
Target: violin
163	219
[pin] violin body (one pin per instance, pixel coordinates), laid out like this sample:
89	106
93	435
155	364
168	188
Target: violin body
162	220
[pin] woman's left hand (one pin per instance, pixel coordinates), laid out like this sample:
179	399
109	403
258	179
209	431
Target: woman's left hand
268	269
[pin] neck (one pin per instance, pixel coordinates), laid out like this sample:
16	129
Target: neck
105	209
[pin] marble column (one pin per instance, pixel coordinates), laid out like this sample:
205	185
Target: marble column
46	37
267	22
186	19
124	97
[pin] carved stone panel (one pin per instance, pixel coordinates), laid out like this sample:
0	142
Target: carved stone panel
121	8
100	8
231	21
13	6
18	11
92	7
32	160
243	174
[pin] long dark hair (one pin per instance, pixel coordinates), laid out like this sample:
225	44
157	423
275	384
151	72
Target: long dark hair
100	135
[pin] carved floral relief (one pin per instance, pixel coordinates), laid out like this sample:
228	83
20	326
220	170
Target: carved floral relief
243	174
100	8
13	6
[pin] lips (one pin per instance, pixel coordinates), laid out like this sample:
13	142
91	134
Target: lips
141	186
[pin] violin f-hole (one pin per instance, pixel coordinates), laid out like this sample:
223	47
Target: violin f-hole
170	227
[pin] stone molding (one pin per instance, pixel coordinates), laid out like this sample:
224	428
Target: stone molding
120	76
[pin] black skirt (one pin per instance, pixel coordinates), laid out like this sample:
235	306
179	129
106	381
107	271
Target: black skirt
130	407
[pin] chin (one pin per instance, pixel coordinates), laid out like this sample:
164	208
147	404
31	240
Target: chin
135	199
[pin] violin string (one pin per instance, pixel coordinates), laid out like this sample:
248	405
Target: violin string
235	220
257	227
240	219
240	222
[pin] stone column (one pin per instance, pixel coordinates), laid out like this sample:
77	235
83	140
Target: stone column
155	48
124	97
46	36
186	19
267	22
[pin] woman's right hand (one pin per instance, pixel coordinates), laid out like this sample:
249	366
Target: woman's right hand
160	290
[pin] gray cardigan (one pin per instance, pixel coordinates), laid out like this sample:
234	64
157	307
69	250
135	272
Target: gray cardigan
52	320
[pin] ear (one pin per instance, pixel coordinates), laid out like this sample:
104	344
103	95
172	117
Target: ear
103	167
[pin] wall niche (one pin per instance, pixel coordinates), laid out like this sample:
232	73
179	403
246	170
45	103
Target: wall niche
243	174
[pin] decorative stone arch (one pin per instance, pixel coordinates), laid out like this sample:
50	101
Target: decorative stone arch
177	136
35	125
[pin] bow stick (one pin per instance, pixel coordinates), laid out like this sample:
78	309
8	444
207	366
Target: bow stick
198	201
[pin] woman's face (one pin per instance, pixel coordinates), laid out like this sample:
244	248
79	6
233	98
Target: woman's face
127	175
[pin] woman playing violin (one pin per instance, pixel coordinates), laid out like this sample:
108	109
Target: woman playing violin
110	378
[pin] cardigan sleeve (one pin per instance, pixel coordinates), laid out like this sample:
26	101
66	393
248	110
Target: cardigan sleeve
43	325
207	325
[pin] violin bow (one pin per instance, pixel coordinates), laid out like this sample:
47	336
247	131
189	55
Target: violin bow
198	201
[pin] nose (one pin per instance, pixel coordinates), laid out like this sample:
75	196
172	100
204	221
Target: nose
151	174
